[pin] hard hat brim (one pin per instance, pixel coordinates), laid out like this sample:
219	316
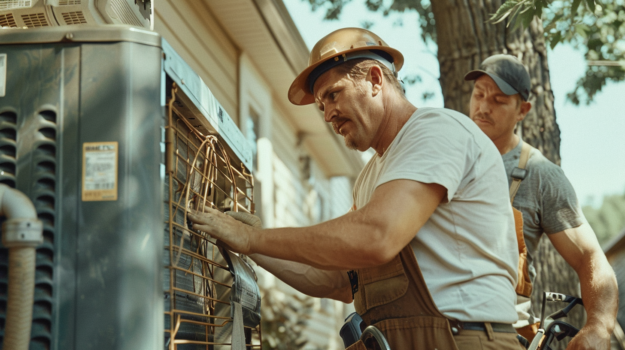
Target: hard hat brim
299	93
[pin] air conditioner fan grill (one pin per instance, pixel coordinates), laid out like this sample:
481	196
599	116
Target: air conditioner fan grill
197	280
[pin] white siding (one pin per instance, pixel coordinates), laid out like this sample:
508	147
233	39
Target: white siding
287	196
203	44
342	199
301	201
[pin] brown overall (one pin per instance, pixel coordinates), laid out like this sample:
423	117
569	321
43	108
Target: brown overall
395	299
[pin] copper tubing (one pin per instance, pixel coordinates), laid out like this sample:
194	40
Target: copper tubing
21	233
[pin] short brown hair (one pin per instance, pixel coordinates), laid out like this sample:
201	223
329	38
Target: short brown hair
359	68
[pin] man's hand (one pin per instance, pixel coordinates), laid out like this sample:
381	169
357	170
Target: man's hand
234	230
246	218
590	338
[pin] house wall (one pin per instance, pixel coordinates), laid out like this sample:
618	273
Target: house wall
194	33
291	189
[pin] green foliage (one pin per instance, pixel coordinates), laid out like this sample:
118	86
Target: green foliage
426	17
597	27
609	220
602	36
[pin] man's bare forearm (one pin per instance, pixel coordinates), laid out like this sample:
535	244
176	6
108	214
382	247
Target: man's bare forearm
367	237
307	279
370	236
599	291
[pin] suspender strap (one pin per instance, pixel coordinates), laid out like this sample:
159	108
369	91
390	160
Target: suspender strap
517	178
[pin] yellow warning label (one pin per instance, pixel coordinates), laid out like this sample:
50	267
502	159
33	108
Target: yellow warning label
99	171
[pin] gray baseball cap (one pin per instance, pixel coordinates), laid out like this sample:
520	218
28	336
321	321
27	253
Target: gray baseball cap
508	73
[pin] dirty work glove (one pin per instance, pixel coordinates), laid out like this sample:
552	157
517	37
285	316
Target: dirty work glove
246	218
234	230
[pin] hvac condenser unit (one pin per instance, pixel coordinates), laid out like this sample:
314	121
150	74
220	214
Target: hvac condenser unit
52	13
114	138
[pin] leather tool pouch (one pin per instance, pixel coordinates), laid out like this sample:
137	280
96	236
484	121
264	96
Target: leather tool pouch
380	285
524	284
408	319
359	345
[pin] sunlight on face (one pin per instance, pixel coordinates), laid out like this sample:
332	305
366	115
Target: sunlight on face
344	102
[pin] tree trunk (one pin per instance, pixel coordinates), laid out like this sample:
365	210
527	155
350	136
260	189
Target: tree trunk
464	40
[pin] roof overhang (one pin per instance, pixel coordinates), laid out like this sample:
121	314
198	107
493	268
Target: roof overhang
266	32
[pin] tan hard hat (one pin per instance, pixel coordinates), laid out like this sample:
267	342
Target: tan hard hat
338	47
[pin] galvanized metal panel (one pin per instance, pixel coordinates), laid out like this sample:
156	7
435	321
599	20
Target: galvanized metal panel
63	94
119	303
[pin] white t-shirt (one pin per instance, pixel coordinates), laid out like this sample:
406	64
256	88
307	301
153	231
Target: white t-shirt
467	250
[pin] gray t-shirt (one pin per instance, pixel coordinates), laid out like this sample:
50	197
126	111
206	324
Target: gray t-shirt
546	199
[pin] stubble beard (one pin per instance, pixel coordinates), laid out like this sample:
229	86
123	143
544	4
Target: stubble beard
350	142
351	145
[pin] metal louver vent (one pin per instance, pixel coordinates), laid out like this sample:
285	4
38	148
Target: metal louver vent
15	4
75	17
8	148
44	198
7	21
8	137
124	13
69	2
35	20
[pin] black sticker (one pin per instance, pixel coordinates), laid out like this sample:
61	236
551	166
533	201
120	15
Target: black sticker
353	280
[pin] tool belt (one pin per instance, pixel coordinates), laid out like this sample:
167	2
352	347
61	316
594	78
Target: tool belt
457	326
395	299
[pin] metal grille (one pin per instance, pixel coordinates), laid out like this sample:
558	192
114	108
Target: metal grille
124	12
44	198
69	2
8	134
199	174
75	17
8	151
43	193
15	4
35	20
7	21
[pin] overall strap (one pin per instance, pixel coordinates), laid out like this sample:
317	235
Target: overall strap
524	284
397	301
422	299
396	289
519	173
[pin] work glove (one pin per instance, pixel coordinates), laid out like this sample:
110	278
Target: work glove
246	218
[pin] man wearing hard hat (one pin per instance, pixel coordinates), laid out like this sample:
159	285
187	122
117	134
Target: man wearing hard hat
428	253
546	199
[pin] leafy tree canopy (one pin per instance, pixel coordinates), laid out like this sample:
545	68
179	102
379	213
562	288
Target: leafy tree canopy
597	27
594	26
